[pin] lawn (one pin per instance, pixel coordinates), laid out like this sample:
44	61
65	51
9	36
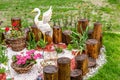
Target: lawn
107	14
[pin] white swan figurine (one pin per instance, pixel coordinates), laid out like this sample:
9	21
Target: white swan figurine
43	25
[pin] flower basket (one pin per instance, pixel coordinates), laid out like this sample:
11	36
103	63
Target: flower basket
17	44
21	70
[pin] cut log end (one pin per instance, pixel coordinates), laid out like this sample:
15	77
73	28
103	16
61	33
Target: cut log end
50	69
63	60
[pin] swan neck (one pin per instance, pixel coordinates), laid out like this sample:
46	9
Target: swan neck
37	16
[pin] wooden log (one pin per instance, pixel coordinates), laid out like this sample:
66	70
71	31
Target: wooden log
66	37
92	47
27	31
50	72
91	62
16	23
82	25
76	74
57	34
101	41
90	32
97	31
63	68
48	38
82	63
37	33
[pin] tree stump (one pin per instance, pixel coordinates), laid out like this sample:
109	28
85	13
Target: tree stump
16	23
37	33
57	34
91	62
101	42
76	74
27	31
66	37
64	68
48	37
92	47
82	25
97	33
50	72
82	63
90	32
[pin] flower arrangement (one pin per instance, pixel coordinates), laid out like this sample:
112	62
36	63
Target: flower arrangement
15	38
23	63
29	57
13	33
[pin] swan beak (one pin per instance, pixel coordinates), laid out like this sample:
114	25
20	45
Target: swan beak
32	11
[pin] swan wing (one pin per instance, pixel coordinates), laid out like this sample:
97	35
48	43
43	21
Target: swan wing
47	15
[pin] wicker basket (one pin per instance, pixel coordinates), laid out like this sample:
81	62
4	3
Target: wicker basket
21	70
17	44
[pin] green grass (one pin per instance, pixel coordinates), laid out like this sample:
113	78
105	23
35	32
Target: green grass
63	8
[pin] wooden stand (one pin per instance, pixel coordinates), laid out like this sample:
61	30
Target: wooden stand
82	63
82	25
16	22
91	62
48	37
57	34
27	31
66	37
101	40
50	73
90	32
36	32
92	47
64	68
76	74
97	33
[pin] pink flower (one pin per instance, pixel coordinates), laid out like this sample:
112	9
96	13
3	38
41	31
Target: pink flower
19	62
18	57
28	57
30	52
37	56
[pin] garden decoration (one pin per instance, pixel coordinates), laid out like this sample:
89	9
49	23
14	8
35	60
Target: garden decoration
53	53
57	34
22	64
50	72
16	23
63	72
15	38
37	33
43	25
76	74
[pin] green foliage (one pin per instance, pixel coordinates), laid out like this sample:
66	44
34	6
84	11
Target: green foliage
78	40
41	43
31	44
3	57
58	49
2	70
69	47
